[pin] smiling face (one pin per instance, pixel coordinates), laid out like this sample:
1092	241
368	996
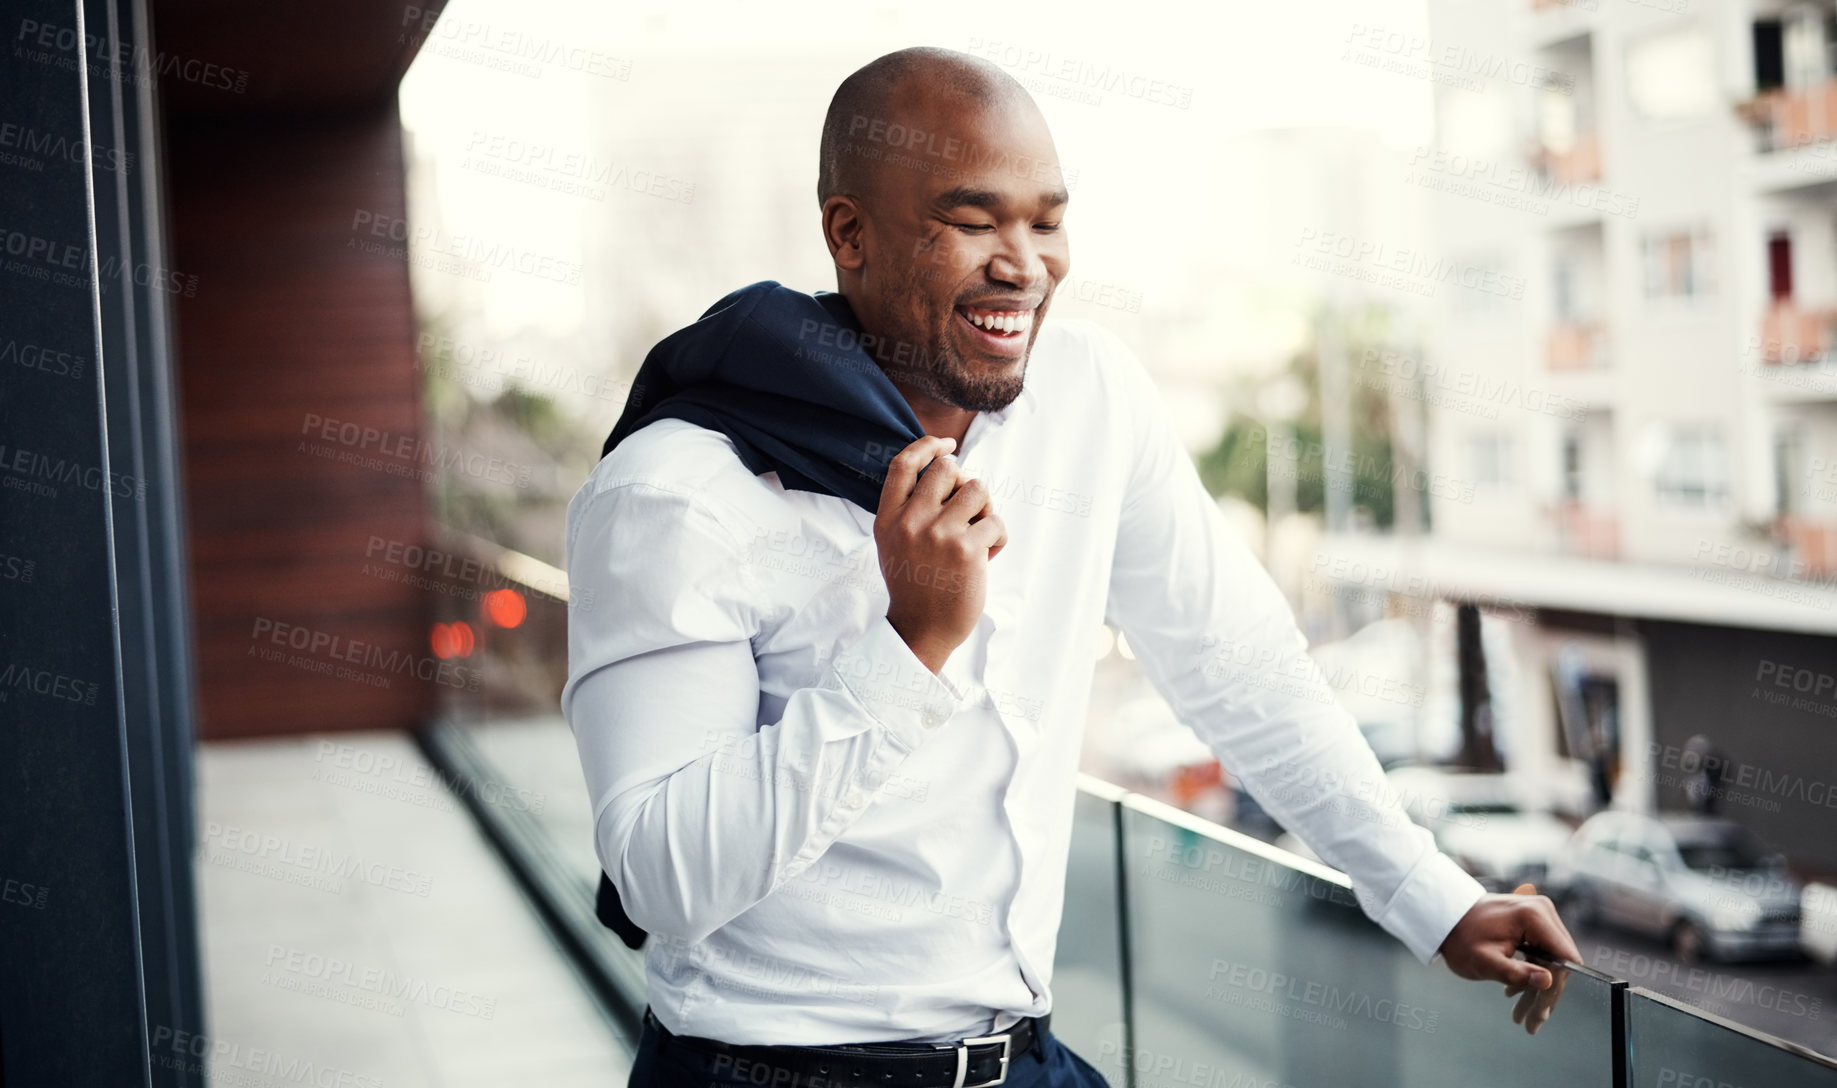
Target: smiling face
953	244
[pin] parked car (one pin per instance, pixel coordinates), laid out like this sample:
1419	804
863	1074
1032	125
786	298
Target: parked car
1495	826
1704	884
1492	825
1818	922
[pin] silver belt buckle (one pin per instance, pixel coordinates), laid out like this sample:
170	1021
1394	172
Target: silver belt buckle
963	1059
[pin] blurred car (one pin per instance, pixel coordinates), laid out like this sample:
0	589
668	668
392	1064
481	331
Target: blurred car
1492	825
1498	827
1818	922
1704	884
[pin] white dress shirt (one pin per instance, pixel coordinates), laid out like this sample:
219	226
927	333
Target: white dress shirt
828	843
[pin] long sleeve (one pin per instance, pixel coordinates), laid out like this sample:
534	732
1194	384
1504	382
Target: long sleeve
1218	640
699	810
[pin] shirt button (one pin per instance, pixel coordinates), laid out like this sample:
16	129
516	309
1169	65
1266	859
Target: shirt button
933	719
854	799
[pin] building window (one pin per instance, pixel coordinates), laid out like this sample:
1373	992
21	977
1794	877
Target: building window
1693	469
1558	119
1572	465
1563	289
1769	55
1779	266
1788	446
1805	48
1677	265
1489	458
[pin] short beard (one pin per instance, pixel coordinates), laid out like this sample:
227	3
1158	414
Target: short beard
940	374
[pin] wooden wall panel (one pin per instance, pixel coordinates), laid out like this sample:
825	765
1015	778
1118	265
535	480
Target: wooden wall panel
291	320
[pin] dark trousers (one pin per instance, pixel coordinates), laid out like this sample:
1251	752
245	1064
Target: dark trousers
661	1064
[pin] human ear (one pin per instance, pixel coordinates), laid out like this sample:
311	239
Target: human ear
843	228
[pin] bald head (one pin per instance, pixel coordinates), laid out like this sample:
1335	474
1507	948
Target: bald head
941	200
869	102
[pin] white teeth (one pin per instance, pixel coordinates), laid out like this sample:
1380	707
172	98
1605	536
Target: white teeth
1002	323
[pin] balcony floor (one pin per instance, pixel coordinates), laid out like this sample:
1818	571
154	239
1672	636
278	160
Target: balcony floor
447	979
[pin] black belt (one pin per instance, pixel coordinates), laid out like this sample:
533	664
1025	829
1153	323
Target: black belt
966	1063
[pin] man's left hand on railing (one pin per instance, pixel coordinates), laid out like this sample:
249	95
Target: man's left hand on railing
1483	943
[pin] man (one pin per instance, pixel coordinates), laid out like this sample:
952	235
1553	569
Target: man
1705	767
832	744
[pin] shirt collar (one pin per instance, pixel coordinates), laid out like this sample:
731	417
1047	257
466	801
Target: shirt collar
1019	405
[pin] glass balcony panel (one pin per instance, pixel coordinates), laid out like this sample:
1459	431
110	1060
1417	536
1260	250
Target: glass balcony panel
1087	980
1671	1044
1246	966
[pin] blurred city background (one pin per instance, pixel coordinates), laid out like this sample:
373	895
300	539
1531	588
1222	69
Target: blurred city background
1500	330
1499	333
1503	331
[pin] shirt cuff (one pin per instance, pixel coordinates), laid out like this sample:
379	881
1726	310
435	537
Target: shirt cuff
893	686
1435	895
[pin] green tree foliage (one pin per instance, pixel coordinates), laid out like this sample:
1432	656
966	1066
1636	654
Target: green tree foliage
1238	464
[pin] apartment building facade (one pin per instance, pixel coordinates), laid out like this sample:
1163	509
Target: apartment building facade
1648	430
1666	190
